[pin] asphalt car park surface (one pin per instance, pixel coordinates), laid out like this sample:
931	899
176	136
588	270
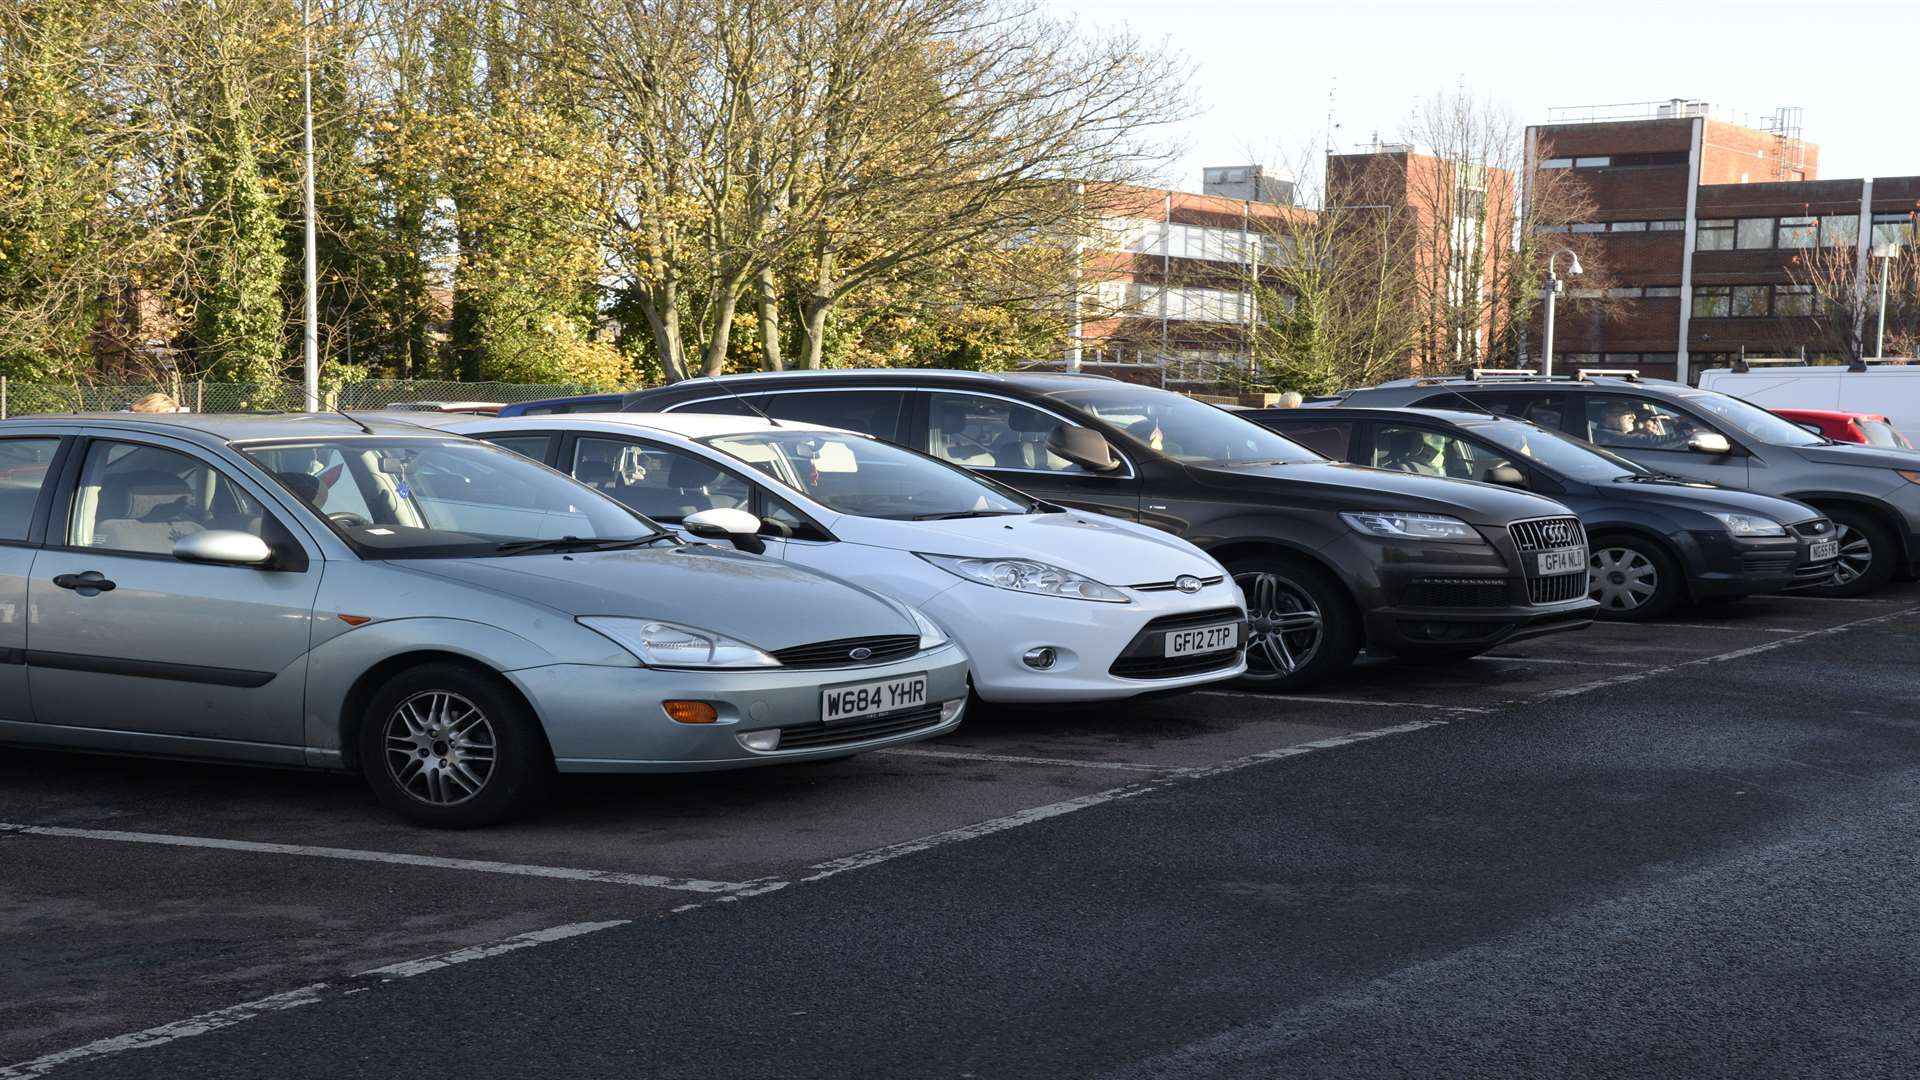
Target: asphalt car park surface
1675	848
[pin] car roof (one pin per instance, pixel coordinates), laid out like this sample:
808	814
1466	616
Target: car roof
237	427
1035	380
685	425
1378	412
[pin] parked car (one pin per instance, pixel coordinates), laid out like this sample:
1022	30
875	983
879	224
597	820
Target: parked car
1868	429
1871	494
450	619
1049	604
1653	541
1330	556
584	403
1882	388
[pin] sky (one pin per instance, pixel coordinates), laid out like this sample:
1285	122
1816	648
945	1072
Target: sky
1262	71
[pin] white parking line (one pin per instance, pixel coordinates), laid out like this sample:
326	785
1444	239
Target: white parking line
890	852
480	866
1735	654
1715	626
1543	660
1283	698
292	999
1015	759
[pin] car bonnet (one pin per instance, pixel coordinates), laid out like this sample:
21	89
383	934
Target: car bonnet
1105	549
761	601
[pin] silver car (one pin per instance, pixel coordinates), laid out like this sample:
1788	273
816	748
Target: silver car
450	619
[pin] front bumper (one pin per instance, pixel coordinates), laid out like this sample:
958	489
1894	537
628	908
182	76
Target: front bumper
610	719
1101	651
1720	564
1421	595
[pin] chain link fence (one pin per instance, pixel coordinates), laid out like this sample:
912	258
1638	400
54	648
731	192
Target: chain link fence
21	399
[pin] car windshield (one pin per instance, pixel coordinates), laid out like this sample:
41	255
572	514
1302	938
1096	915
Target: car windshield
1753	419
865	477
400	498
1183	429
1561	454
1881	433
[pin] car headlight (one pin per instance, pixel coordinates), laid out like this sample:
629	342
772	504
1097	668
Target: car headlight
1750	524
931	636
664	644
1405	525
1027	576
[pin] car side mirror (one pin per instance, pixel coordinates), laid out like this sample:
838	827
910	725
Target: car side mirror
1082	446
226	547
1507	476
725	523
1709	442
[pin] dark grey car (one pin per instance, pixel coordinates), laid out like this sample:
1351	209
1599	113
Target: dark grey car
1871	494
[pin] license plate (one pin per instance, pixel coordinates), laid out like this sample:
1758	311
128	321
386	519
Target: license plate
873	698
1203	639
1824	550
1562	560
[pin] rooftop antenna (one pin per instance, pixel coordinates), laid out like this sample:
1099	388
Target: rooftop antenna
757	410
1333	125
356	421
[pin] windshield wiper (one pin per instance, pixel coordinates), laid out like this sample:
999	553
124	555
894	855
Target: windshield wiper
580	543
955	515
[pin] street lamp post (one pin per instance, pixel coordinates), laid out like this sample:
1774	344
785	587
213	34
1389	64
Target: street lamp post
1550	294
1885	253
311	335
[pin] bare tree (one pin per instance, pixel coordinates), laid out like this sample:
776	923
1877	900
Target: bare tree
1842	308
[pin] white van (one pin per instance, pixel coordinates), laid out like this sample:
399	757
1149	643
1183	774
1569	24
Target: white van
1893	390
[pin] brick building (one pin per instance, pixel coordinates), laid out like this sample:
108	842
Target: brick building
1718	237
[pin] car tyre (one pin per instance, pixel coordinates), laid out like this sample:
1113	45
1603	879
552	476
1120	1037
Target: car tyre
1633	578
450	747
1302	626
1869	555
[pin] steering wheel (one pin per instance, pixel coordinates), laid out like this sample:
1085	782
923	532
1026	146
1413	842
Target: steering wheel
348	519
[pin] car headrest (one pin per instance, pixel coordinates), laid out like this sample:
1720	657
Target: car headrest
1029	421
593	472
691	472
136	493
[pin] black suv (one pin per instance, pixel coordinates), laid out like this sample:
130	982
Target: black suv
1871	493
1330	556
1654	540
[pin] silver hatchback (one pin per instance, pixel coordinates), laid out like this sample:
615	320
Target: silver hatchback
450	619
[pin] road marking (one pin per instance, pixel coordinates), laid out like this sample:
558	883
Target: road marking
1543	660
1015	759
435	862
1829	599
1032	815
312	994
1716	626
1281	698
1735	654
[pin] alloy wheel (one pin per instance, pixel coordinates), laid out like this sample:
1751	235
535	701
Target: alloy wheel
1856	555
1286	625
1622	579
440	748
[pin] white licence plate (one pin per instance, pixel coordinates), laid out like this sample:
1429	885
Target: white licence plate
1562	560
873	698
1203	639
1824	550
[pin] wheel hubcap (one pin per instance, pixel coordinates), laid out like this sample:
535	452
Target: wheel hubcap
1285	625
1621	579
1856	554
440	748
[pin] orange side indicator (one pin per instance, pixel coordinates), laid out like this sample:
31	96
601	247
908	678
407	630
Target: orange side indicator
690	712
356	620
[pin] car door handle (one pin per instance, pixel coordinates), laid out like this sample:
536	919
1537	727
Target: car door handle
90	583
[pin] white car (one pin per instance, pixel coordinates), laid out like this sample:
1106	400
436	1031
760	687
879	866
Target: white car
1050	605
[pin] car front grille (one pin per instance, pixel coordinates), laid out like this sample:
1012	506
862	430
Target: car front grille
1173	586
1546	534
1456	592
1768	562
1813	529
1144	658
839	653
1557	589
816	736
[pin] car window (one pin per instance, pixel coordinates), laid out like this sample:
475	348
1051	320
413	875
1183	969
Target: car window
529	446
869	477
141	499
1625	422
1430	452
1180	428
870	412
991	433
1880	433
663	483
742	405
320	477
1751	418
1549	410
23	470
1328	438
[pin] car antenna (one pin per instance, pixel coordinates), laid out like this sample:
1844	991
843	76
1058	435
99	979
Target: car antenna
1473	405
354	420
757	410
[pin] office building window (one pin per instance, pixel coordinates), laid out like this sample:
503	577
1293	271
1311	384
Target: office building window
1592	162
1840	230
1557	163
1799	232
1748	301
1710	301
1660	292
1713	235
1893	229
1791	300
1666	226
1755	232
1590	227
1629	226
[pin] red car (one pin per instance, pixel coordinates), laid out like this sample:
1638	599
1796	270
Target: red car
1872	429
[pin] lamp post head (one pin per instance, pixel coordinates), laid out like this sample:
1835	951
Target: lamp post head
1573	268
